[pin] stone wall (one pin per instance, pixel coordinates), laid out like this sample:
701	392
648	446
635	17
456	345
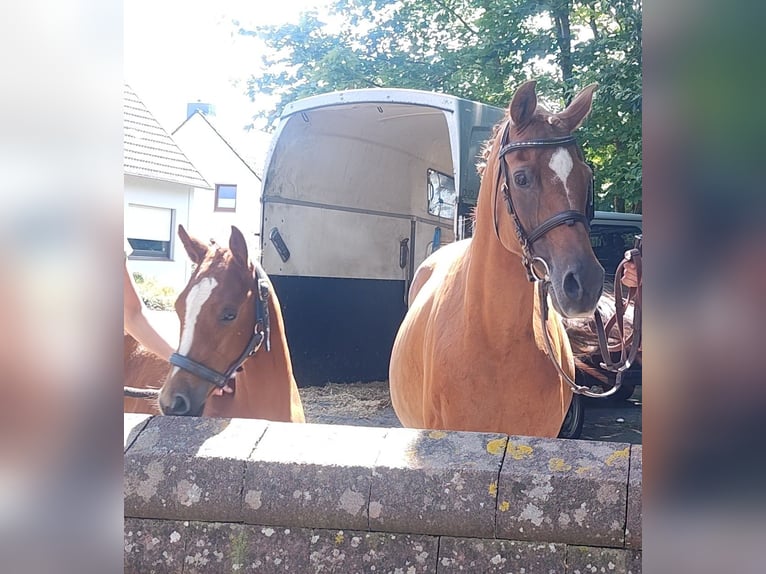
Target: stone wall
236	495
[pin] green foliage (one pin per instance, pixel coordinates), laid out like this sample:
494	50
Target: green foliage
480	50
154	295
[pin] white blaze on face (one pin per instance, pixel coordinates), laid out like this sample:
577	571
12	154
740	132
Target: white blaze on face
561	164
197	297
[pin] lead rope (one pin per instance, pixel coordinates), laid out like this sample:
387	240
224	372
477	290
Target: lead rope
134	393
542	291
628	347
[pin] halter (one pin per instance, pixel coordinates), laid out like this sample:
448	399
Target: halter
568	217
261	335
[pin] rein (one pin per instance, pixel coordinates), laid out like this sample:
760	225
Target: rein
261	337
627	347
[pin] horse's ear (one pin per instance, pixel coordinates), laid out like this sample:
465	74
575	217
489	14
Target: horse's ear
573	116
524	103
238	246
194	247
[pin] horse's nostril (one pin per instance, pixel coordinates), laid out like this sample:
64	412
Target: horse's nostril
180	406
572	286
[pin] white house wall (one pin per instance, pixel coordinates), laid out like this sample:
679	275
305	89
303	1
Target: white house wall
220	165
154	193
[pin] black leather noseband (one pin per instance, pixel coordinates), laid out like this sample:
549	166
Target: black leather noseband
261	336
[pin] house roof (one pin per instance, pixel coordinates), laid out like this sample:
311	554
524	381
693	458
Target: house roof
149	151
251	163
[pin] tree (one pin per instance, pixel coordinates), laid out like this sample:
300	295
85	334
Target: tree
479	50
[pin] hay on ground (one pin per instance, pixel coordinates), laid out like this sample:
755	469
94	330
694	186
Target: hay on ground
345	402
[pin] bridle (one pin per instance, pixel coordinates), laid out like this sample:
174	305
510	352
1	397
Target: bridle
542	276
568	217
261	337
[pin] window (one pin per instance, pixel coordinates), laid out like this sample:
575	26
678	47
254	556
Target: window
610	242
441	194
149	230
225	197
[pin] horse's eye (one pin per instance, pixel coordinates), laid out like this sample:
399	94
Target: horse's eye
520	179
228	316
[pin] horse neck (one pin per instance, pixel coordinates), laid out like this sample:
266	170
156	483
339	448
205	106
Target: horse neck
267	377
497	290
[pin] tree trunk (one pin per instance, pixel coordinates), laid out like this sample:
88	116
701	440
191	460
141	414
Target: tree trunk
592	21
560	10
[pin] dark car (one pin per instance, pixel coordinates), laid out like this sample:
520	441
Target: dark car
612	234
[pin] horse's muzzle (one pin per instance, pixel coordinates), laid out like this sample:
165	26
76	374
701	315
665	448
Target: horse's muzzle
577	289
181	402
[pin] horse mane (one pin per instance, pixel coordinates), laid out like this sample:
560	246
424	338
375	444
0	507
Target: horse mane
486	148
483	158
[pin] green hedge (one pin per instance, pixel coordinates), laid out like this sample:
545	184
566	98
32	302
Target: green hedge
155	296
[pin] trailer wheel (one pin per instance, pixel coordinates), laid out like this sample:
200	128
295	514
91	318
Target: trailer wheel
624	392
573	422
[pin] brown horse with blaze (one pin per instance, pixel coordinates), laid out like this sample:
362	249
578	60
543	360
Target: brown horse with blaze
469	354
232	338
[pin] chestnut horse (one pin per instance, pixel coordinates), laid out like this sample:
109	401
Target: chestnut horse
470	353
232	335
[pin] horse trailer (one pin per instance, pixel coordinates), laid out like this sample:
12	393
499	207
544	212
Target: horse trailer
359	188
